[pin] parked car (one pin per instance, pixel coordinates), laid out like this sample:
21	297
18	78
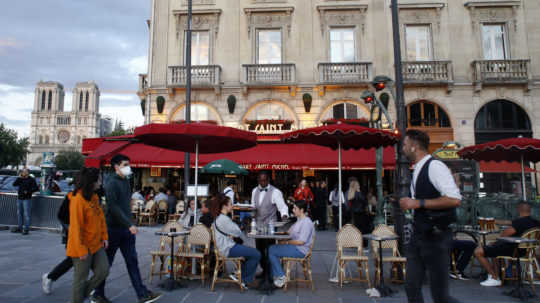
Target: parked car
7	185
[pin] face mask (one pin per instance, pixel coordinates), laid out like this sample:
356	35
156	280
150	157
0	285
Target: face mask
126	171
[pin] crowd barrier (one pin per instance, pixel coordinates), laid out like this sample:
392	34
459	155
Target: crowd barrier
44	210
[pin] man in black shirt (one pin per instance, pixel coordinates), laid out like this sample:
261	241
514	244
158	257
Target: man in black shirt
27	186
517	229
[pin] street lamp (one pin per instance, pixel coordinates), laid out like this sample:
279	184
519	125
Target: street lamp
187	110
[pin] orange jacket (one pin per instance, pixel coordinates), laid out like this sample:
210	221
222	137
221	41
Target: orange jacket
303	194
87	227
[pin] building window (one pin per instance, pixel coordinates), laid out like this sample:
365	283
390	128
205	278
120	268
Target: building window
85	121
269	46
40	139
81	101
87	101
46	139
269	111
342	46
43	100
494	42
426	114
418	42
49	106
200	48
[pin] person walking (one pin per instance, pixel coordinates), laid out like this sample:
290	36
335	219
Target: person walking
358	206
27	186
87	237
122	230
434	197
320	194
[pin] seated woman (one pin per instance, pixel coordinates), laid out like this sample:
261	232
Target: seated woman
188	218
301	233
226	231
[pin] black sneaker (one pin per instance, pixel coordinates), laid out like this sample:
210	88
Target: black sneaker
462	276
16	230
151	297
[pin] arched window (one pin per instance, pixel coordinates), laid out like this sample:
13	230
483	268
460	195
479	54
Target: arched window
269	111
199	112
87	100
40	139
46	139
427	114
80	101
501	119
43	100
49	106
345	110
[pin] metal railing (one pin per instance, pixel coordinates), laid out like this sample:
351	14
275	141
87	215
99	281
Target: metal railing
274	74
502	71
425	72
44	211
201	75
350	72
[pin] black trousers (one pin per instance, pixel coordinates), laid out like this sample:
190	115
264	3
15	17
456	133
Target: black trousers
361	221
262	245
429	253
60	269
463	251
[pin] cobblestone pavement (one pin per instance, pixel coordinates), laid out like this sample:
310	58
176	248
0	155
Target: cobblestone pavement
23	259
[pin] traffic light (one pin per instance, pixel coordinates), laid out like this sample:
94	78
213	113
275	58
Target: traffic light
379	82
368	97
379	86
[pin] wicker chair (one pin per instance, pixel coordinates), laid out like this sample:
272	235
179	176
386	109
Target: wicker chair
350	237
199	236
396	260
179	209
162	211
528	261
150	211
221	263
136	206
306	266
164	250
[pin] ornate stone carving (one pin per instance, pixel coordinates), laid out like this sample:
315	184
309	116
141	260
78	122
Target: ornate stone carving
493	14
342	15
200	2
421	16
201	20
63	136
269	17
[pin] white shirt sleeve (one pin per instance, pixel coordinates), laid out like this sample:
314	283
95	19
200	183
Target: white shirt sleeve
442	179
277	199
253	203
230	194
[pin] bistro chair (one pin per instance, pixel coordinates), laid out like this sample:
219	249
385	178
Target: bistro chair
199	236
149	213
179	209
221	263
396	260
163	251
136	206
527	260
306	266
462	235
350	237
162	211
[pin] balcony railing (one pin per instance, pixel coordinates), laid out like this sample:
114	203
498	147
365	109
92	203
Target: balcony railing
269	74
201	75
502	71
345	73
427	72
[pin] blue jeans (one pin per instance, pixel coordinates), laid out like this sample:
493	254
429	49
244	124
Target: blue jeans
24	207
249	266
275	252
121	238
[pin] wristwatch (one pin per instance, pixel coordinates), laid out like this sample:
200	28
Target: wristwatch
422	204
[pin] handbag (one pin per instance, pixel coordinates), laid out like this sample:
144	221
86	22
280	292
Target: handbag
236	240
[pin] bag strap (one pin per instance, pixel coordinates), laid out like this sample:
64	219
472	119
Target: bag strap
227	235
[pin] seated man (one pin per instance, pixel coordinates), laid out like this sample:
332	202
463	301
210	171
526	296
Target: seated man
302	233
463	250
499	248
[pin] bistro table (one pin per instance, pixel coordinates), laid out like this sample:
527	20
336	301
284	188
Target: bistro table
267	285
518	292
171	283
385	291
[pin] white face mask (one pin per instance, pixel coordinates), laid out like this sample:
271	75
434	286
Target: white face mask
126	171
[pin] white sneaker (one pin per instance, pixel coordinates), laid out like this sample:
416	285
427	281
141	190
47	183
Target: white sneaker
46	283
491	282
279	281
233	277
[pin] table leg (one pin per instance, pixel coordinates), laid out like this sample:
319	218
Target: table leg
383	290
170	283
520	292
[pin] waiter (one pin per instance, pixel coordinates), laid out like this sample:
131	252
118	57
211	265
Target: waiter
267	201
434	199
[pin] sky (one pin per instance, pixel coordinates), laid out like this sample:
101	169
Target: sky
69	42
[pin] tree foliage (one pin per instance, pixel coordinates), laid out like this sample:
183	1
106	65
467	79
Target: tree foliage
13	150
119	130
69	160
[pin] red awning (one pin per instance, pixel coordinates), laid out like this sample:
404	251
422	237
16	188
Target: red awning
89	145
502	167
264	156
107	148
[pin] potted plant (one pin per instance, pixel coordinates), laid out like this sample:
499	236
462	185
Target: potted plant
143	106
160	101
306	98
231	103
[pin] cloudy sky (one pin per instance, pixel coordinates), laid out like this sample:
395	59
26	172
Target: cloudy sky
69	42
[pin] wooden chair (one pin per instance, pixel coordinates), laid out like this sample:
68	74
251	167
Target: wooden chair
350	237
150	211
198	237
164	252
221	263
163	208
527	262
396	260
306	266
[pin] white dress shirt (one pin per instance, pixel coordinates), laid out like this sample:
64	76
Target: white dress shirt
137	196
161	197
439	175
229	192
334	200
277	199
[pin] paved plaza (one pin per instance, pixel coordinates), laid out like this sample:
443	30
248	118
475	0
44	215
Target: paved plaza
23	259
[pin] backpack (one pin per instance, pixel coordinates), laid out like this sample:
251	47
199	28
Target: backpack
63	211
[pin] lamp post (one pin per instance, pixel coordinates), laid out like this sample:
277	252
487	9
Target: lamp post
188	95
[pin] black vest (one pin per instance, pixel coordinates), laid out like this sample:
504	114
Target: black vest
426	219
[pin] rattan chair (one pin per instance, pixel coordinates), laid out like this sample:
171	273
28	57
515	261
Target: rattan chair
396	260
199	237
350	237
306	266
164	252
221	263
527	262
162	211
179	209
136	206
149	213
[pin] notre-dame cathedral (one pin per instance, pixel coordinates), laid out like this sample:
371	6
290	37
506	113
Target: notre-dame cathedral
54	129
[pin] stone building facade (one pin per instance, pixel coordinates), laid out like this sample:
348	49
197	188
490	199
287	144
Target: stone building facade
471	68
53	129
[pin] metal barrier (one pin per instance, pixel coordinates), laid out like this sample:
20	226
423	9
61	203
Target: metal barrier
44	210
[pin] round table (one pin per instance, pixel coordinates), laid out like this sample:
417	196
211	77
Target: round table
171	283
383	290
267	284
518	292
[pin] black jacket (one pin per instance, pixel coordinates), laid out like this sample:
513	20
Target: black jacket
118	198
27	186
